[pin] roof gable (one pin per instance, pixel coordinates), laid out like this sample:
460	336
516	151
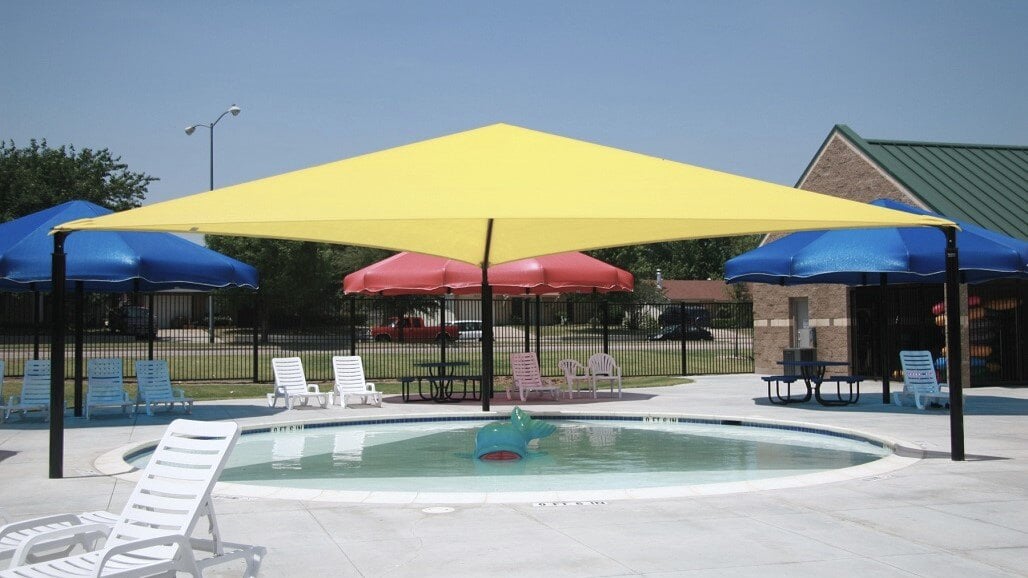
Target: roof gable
984	184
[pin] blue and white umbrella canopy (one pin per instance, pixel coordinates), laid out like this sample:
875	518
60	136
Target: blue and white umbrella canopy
863	256
111	262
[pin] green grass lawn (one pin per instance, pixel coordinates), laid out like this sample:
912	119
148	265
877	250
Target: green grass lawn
214	391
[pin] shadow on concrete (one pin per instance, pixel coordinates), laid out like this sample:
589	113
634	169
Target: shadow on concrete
872	403
909	452
500	400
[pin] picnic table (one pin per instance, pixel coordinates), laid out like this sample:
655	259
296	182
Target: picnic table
813	375
441	378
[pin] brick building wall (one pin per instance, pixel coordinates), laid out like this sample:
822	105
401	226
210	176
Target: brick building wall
842	171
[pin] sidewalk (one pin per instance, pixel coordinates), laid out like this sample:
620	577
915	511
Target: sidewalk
934	518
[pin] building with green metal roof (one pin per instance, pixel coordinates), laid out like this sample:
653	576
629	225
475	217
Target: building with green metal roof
983	184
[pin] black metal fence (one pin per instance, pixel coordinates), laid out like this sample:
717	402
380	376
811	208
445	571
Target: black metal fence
997	328
237	342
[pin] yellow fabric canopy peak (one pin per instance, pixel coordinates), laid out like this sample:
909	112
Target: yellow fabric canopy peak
540	193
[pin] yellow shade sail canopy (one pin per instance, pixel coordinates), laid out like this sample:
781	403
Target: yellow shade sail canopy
541	193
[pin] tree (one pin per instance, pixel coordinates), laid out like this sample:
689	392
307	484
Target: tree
38	177
697	259
300	281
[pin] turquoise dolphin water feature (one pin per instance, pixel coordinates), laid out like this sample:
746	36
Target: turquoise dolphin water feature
509	440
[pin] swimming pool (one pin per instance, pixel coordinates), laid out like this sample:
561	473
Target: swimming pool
587	456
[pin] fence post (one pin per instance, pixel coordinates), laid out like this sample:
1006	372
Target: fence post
37	306
353	325
256	332
527	318
681	327
538	324
442	328
151	333
736	316
606	325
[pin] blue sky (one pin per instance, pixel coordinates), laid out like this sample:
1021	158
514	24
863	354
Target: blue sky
750	88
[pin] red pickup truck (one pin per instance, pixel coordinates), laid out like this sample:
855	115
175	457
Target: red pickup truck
412	329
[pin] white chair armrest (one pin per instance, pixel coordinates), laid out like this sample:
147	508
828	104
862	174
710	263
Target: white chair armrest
167	540
25	548
41	521
370	386
313	388
176	392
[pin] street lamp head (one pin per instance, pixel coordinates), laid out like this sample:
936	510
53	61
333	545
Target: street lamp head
234	110
190	129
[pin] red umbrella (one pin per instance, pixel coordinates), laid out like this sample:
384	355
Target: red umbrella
416	274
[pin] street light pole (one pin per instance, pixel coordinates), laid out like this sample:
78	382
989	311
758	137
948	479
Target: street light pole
210	128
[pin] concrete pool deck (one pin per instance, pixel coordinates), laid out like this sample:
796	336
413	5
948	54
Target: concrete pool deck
934	517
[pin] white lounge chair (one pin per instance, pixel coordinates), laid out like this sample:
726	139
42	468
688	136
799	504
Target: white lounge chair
577	376
350	382
291	384
155	387
920	386
527	378
602	367
35	390
151	536
105	386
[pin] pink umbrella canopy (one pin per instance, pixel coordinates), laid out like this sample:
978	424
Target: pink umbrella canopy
416	274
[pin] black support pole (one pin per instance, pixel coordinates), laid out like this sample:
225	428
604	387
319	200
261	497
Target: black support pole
57	277
80	322
487	340
487	323
954	353
883	335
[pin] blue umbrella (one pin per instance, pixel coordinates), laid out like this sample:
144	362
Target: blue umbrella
111	262
871	256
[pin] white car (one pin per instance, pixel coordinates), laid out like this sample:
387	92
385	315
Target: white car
469	329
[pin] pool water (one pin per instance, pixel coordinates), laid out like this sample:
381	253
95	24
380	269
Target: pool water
580	455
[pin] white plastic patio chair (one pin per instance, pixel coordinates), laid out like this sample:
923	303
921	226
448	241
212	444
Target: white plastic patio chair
577	376
920	385
105	386
155	387
602	367
35	390
350	383
527	378
291	384
151	536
